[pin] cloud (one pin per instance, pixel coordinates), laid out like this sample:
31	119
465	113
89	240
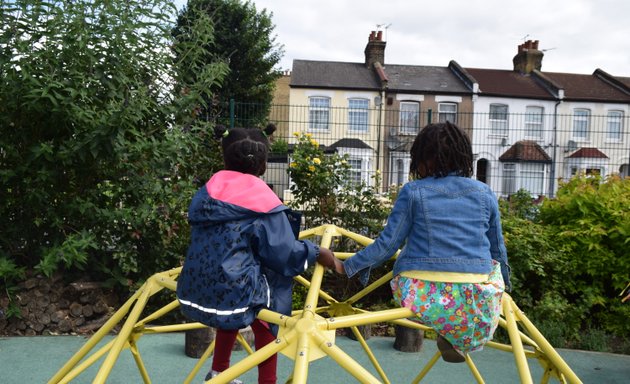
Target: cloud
579	35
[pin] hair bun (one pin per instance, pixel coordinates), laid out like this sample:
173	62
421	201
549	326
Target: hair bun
219	131
269	129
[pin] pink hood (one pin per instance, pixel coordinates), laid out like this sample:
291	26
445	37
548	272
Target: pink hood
242	189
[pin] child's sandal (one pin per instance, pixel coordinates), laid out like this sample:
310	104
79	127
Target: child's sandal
449	353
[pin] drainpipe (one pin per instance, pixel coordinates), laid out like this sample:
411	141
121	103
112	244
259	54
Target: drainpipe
552	175
378	130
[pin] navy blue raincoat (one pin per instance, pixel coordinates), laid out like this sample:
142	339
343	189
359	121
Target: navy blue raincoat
243	253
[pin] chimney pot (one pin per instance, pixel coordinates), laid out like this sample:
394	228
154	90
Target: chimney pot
374	50
528	57
379	36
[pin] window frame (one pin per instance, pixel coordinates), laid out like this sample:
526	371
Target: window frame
536	133
318	113
511	179
498	127
520	177
358	117
581	115
442	114
619	122
408	129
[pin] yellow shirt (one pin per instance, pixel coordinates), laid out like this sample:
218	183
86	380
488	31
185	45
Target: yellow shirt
447	277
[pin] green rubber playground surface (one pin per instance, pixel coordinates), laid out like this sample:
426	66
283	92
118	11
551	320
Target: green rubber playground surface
36	359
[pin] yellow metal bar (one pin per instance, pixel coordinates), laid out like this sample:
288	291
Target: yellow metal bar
426	368
345	361
370	288
277	318
254	359
526	339
139	363
241	340
363	240
546	347
515	339
170	328
322	294
95	339
411	324
200	363
474	370
76	371
124	334
510	349
368	318
160	312
370	355
300	367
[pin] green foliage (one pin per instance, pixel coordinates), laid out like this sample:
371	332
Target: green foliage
100	148
10	274
520	204
244	39
279	145
591	219
568	257
323	188
73	252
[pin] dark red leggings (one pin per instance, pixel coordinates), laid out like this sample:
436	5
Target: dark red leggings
224	342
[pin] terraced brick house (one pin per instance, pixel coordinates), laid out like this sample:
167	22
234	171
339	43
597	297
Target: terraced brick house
529	129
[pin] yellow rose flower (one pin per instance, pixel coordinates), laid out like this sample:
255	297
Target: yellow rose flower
311	168
293	164
317	161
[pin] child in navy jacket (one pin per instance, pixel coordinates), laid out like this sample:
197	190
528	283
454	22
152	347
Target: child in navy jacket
243	252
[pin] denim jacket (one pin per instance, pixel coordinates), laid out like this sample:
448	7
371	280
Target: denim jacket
446	224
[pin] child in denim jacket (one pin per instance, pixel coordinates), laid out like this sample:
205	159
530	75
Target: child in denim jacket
452	269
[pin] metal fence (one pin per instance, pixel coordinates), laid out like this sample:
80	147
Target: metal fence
531	151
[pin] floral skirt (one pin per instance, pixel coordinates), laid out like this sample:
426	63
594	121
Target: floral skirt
465	314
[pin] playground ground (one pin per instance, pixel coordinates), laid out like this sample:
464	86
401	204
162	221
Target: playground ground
36	359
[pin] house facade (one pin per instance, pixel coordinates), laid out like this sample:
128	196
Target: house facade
592	117
372	111
529	129
512	127
533	129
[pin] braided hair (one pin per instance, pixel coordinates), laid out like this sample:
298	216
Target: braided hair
440	149
245	149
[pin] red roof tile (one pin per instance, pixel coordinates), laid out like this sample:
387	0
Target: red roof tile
592	153
526	150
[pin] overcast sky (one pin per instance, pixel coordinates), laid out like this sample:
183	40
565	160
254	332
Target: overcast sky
577	36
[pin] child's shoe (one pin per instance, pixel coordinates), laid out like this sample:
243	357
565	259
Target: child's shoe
449	353
212	374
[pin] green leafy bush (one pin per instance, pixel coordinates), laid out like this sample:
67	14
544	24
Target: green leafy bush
591	220
100	146
569	260
323	188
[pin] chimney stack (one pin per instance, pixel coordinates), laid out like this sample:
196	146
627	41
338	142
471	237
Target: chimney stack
528	57
375	49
